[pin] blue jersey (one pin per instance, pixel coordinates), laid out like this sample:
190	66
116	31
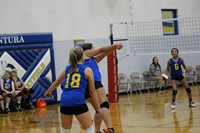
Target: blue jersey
19	83
176	70
91	62
7	85
74	89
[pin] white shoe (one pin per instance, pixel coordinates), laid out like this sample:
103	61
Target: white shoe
161	91
173	105
192	104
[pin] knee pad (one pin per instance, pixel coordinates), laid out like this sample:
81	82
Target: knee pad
19	94
188	90
174	92
105	105
25	91
90	130
9	95
62	130
31	90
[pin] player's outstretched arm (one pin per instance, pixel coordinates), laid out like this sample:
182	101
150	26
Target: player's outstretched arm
96	52
55	84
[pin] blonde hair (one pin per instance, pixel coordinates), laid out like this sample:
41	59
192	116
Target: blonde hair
75	55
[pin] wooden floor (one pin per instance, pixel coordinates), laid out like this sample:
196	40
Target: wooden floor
138	113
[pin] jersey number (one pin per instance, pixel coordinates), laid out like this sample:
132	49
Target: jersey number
75	83
176	66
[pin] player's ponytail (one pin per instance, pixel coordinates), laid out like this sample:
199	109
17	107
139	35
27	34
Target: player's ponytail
75	55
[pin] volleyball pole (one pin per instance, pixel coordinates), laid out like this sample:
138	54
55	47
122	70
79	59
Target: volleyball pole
112	63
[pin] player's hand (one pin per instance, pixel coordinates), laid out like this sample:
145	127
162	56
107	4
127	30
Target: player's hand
13	78
47	94
187	70
119	46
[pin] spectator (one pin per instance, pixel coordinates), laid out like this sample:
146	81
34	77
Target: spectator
20	88
8	89
1	99
157	74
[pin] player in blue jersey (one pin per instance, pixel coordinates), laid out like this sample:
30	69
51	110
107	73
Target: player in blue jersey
20	89
92	58
176	74
72	102
8	89
1	100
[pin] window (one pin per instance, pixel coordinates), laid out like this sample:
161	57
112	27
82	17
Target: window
170	22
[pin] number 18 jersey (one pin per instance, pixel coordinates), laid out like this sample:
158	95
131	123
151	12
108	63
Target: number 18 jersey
74	88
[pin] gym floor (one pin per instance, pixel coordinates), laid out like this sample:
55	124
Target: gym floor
136	113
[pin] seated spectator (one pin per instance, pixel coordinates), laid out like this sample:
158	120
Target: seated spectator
157	75
1	99
20	87
8	89
26	100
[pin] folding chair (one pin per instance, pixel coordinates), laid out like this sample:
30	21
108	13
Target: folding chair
137	81
190	75
149	83
124	82
197	73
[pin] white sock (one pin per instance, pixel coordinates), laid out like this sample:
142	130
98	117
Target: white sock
90	129
62	130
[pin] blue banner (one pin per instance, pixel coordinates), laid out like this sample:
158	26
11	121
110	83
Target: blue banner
13	39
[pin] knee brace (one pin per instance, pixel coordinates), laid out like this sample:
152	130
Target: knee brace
31	91
19	94
188	90
174	92
9	95
25	91
62	130
105	105
90	130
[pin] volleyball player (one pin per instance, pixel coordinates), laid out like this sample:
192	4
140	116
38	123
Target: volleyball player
25	92
92	57
72	100
174	68
1	100
8	89
19	88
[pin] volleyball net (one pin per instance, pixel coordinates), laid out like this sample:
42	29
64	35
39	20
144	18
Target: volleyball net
160	36
152	37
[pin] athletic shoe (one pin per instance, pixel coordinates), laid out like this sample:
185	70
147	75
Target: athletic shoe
6	110
18	107
173	104
192	104
108	130
161	91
